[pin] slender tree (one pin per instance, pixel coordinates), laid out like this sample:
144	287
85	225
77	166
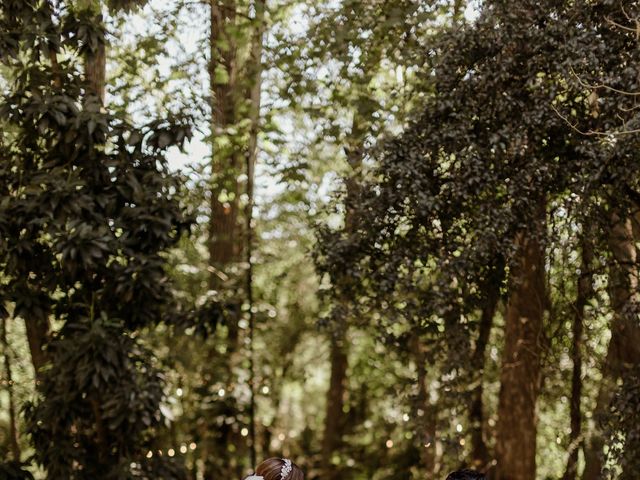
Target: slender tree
584	293
14	442
489	302
255	96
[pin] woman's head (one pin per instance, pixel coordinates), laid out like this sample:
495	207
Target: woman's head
272	469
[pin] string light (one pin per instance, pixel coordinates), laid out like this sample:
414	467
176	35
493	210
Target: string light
389	443
149	454
192	446
183	449
244	432
458	428
221	392
179	392
171	452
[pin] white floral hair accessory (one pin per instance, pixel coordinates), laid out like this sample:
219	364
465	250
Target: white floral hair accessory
286	469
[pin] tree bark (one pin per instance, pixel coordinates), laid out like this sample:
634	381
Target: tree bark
14	443
224	229
624	347
95	71
479	450
229	158
584	292
95	61
521	360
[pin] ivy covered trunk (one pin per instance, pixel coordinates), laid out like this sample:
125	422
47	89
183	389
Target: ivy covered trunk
624	347
584	293
521	361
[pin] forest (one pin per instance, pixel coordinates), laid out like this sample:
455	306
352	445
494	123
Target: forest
386	239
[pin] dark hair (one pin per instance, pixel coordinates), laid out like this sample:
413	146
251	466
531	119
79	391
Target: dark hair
270	470
466	474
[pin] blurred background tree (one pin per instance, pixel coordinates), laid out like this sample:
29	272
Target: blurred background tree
401	240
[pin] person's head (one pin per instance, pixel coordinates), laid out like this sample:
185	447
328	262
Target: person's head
272	469
466	474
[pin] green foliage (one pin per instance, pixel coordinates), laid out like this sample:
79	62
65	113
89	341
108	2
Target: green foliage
624	437
14	471
88	209
453	132
449	195
102	383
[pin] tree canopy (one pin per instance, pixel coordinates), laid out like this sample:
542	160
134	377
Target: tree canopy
386	239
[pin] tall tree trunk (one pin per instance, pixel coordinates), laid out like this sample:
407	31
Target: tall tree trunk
334	416
255	73
584	292
334	422
425	414
224	229
624	347
14	444
226	244
95	70
479	450
95	61
521	360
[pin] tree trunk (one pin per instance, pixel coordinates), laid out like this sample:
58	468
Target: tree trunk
521	361
624	347
425	413
479	450
95	61
334	417
224	229
584	292
225	242
255	74
14	444
95	71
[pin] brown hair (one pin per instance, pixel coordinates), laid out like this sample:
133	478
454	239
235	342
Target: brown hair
271	467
